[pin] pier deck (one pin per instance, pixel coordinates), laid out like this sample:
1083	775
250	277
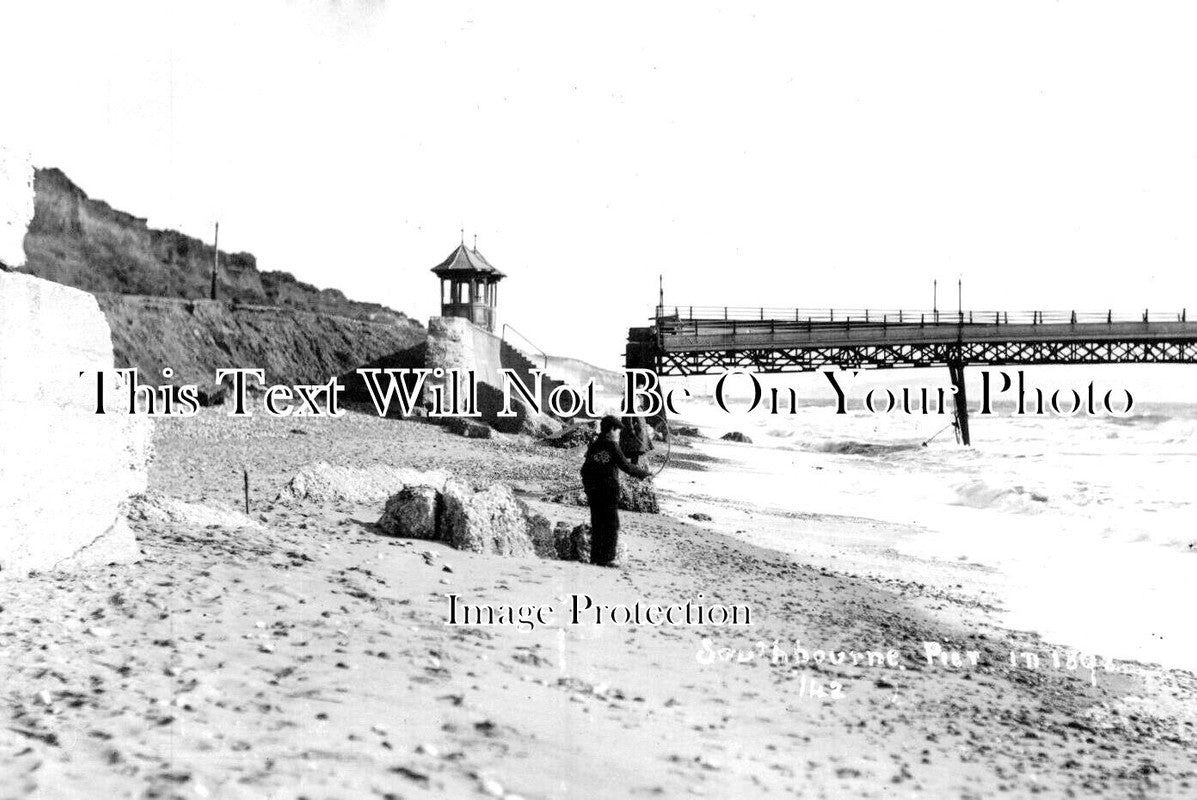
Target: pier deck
690	340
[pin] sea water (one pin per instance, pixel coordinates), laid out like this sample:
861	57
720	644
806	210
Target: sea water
1085	523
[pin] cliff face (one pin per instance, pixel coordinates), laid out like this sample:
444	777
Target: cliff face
196	337
153	286
86	243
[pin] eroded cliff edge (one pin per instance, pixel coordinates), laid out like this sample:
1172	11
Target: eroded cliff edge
85	243
153	287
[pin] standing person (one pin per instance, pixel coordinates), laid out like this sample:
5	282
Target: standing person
636	438
601	481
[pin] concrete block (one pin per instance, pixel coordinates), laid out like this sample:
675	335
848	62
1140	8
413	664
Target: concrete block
66	473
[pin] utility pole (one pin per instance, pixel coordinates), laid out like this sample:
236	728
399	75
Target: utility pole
215	261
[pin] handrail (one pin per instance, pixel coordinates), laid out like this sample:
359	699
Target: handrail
714	315
544	355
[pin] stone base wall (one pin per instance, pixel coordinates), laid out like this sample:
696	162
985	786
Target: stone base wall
456	343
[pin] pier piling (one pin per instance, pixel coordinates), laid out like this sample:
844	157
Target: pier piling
956	371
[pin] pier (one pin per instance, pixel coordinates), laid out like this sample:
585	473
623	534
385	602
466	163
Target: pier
701	340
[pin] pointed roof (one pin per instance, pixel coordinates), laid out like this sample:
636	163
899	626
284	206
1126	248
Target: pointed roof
464	260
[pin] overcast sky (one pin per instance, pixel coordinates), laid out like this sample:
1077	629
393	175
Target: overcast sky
819	154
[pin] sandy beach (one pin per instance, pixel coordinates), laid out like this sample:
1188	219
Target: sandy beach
888	301
298	652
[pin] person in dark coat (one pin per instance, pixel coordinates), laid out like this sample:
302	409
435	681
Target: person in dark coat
636	438
600	478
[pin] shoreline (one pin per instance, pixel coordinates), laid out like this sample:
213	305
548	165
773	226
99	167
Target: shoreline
261	656
955	546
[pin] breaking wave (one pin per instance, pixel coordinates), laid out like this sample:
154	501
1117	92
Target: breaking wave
851	447
1017	499
1141	420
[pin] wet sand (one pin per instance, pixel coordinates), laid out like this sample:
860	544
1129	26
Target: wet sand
299	653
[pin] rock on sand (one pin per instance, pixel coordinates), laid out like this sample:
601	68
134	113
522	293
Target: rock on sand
164	510
412	513
469	428
326	483
490	521
638	495
580	546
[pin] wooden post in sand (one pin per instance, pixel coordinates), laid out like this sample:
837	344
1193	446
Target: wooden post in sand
245	475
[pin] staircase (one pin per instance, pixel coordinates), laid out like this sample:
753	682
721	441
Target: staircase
516	360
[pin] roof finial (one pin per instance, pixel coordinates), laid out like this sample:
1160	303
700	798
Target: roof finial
463	235
475	241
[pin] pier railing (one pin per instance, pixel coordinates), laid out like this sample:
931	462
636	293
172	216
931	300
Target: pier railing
715	316
703	340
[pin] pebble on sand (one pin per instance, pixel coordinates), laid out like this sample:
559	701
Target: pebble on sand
491	787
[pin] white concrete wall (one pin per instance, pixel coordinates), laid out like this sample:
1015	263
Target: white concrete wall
456	343
65	472
16	204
